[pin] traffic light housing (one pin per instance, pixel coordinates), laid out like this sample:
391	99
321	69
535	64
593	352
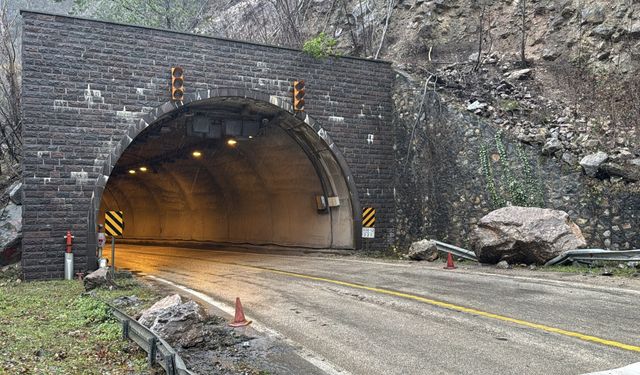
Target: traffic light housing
298	96
177	83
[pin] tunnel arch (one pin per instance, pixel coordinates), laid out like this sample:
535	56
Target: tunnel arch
326	159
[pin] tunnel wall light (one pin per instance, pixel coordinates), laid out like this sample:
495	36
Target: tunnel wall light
321	203
132	171
232	142
196	154
143	169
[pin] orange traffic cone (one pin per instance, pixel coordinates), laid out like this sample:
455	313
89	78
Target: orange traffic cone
450	265
239	320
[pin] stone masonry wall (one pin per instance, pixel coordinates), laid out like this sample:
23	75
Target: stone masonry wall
443	189
87	83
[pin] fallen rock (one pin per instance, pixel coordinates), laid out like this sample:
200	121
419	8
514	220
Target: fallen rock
423	250
552	146
175	321
149	315
503	265
476	106
593	14
634	30
525	235
98	278
15	192
628	172
10	233
569	158
11	273
591	163
517	75
603	31
550	54
126	301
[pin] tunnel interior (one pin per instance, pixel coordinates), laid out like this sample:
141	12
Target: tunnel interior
232	170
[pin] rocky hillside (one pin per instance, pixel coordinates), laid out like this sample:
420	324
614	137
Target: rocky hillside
582	56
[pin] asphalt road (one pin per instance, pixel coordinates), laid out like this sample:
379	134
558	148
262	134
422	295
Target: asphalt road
376	317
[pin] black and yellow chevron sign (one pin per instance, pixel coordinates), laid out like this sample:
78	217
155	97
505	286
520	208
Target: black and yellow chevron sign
368	217
114	223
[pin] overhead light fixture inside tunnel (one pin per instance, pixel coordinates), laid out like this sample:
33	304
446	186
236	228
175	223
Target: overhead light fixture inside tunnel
232	142
143	169
196	154
132	171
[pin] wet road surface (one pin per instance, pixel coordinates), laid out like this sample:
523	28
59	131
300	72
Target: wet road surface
377	317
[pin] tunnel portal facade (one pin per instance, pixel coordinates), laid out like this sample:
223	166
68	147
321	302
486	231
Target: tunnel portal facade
229	163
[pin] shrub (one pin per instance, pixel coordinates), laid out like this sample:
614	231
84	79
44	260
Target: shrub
320	47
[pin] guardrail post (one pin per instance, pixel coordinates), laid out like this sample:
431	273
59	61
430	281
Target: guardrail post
151	358
125	329
170	363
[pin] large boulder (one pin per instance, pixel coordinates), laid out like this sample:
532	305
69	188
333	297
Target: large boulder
176	321
423	250
10	233
525	235
98	278
149	315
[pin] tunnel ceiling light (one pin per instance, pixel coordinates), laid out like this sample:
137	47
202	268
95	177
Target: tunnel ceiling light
232	142
132	171
250	137
196	154
143	169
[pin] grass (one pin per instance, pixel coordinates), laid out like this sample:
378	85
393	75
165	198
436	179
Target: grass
50	327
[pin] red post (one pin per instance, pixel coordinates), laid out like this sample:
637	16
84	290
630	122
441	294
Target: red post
69	238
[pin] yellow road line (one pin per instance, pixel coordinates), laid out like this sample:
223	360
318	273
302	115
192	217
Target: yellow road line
467	310
432	302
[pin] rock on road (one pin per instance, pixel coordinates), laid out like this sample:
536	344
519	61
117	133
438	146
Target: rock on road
348	311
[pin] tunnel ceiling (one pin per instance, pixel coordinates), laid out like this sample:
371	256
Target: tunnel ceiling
169	139
262	190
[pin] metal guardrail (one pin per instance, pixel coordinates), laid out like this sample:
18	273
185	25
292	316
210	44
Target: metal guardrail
457	251
158	351
593	255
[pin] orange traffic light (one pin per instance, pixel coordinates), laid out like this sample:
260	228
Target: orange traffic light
298	96
177	83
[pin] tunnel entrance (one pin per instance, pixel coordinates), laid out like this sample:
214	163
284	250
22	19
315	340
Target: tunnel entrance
233	170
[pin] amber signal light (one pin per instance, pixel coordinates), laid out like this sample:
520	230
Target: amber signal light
177	83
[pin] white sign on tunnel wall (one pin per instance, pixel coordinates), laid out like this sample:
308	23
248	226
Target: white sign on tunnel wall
368	232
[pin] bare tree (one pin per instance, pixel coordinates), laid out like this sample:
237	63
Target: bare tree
483	9
523	34
180	15
390	5
291	16
360	22
10	87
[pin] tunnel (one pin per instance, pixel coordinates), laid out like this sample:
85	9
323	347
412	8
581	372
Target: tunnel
232	170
